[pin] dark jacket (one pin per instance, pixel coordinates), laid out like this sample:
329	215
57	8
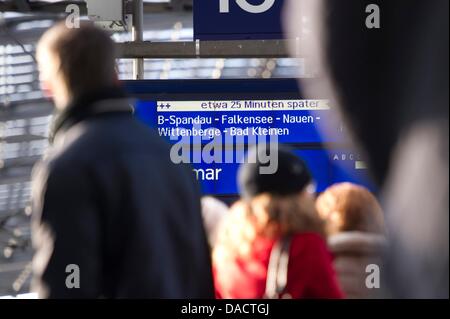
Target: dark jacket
108	199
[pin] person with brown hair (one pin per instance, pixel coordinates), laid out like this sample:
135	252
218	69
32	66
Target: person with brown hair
113	216
355	226
271	244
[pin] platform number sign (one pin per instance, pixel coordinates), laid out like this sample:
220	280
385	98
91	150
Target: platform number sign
246	6
237	19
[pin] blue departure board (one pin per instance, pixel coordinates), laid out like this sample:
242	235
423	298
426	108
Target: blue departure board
197	115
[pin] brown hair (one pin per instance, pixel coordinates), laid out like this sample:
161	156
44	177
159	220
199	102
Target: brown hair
268	216
349	207
86	56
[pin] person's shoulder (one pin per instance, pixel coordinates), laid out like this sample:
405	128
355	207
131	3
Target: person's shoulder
72	150
126	131
106	137
56	170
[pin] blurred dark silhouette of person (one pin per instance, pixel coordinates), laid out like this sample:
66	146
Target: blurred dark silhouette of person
274	209
354	224
107	199
391	85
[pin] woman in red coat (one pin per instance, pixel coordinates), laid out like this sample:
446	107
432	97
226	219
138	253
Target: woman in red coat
276	210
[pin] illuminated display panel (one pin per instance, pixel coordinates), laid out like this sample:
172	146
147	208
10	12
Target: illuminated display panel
220	118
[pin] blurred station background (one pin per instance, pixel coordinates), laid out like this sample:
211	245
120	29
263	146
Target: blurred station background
25	114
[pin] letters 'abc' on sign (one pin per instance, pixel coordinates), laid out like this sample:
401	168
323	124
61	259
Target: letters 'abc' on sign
237	19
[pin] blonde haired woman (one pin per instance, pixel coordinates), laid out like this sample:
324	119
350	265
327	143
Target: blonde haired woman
271	244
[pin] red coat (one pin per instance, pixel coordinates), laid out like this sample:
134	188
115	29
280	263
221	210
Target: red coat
310	271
